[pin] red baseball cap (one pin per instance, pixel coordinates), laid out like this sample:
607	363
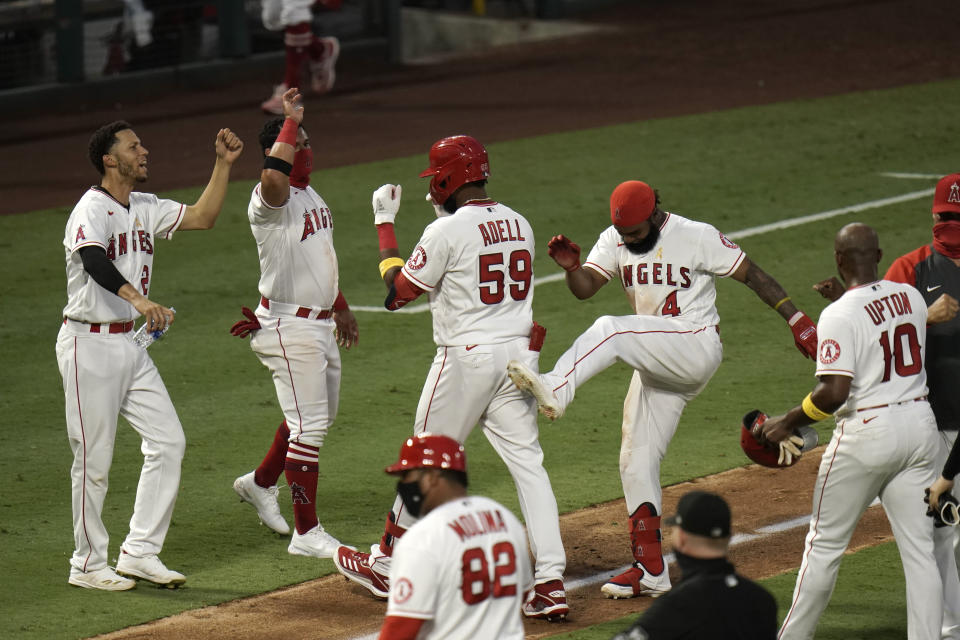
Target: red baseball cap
947	196
631	203
429	451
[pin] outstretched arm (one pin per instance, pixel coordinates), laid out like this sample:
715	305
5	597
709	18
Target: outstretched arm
582	283
203	213
770	291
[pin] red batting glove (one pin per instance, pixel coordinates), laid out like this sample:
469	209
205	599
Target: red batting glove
242	328
564	252
804	334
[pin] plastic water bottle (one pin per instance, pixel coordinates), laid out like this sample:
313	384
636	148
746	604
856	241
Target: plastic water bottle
146	338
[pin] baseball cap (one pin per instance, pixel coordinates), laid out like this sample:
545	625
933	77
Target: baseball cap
631	203
429	451
947	195
703	514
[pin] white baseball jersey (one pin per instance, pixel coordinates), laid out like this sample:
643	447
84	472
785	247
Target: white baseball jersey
676	277
127	235
890	314
464	568
477	266
298	264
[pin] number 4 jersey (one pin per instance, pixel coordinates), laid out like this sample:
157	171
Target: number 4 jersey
477	266
463	568
676	277
875	334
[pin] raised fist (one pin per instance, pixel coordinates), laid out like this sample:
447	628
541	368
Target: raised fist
804	334
564	252
386	203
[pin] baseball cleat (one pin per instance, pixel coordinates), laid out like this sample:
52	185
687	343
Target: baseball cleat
274	104
264	500
322	71
530	382
105	579
632	583
547	601
149	568
357	566
315	543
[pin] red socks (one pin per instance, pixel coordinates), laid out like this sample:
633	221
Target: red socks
299	41
270	469
301	471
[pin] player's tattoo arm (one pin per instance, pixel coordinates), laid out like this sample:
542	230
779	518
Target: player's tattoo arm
766	288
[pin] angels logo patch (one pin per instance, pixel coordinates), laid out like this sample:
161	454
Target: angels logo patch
727	242
402	590
829	351
418	260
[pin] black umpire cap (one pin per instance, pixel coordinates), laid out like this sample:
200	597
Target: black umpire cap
703	514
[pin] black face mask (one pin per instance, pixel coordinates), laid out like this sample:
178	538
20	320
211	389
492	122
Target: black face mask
450	206
645	245
411	496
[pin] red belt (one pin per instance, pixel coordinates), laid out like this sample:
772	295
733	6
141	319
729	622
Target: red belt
893	404
113	327
302	312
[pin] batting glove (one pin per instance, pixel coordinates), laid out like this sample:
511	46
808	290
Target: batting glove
564	252
804	334
790	449
386	203
242	328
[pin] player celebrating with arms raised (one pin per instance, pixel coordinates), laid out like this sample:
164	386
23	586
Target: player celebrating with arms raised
476	262
109	244
667	265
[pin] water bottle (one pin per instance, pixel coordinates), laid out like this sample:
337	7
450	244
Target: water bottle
146	338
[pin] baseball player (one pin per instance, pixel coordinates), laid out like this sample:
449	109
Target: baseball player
871	375
296	330
667	265
109	242
462	570
304	50
476	264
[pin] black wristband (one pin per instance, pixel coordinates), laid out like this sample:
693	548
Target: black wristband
101	269
278	164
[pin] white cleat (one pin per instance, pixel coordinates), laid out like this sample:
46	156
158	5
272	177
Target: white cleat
323	72
530	382
149	568
274	104
105	579
315	543
264	500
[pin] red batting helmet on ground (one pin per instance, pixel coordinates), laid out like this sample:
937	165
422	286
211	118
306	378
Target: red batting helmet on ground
455	161
769	455
429	451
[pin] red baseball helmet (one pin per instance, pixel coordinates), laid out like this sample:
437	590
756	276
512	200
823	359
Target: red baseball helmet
455	161
429	451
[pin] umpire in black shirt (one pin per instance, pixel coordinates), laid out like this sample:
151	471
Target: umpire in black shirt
711	601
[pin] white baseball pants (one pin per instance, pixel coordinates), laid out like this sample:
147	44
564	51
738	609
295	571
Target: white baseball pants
106	375
304	359
892	453
467	386
277	14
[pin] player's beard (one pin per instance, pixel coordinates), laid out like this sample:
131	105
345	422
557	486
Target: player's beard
131	170
645	245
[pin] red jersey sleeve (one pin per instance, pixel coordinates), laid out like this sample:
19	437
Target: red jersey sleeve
402	292
904	268
400	628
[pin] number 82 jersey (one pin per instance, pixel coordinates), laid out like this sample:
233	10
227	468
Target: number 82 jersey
477	266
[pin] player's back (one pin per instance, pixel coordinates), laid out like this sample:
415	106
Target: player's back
464	568
876	333
477	266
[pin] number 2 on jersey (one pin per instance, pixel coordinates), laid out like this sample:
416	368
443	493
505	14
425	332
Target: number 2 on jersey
493	279
478	585
893	354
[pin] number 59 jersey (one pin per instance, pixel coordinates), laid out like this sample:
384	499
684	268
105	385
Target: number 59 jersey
464	569
477	266
875	334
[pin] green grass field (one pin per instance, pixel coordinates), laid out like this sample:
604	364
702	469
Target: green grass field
735	169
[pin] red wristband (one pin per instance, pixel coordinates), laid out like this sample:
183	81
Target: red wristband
386	236
340	303
288	134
